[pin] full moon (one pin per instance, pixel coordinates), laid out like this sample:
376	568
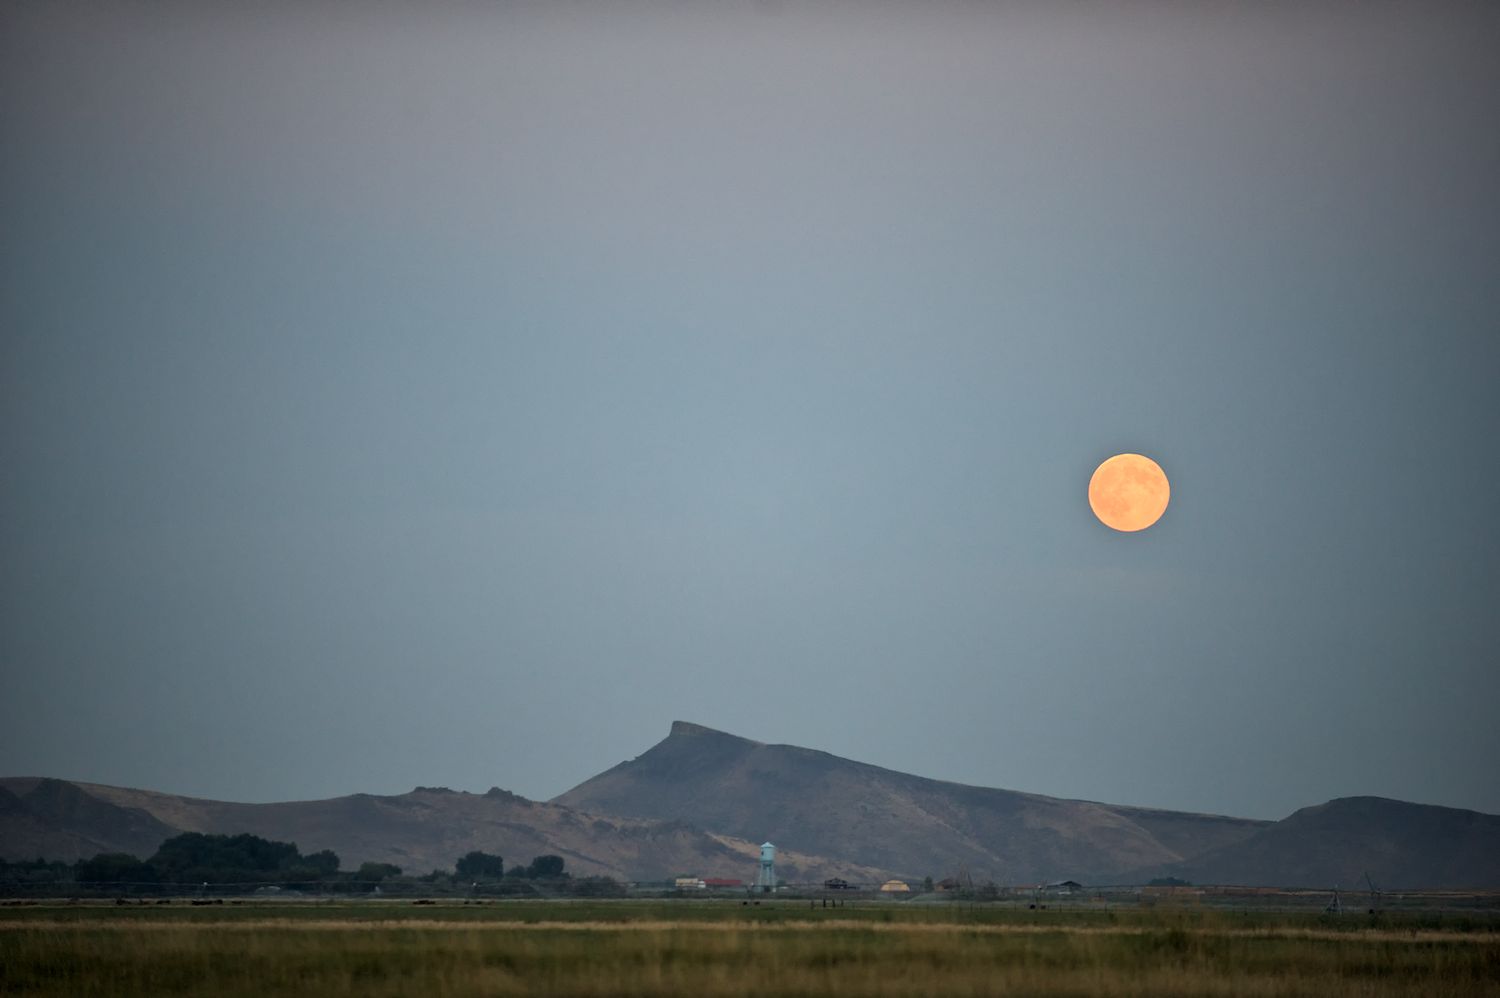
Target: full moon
1129	492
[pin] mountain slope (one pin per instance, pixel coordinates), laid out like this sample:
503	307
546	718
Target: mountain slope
699	802
821	803
419	831
1400	845
59	820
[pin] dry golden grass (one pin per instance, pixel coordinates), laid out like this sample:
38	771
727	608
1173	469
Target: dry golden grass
717	951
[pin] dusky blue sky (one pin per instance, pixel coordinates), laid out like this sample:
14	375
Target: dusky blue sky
458	394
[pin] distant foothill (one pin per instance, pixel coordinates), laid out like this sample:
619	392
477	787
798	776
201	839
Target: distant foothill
701	804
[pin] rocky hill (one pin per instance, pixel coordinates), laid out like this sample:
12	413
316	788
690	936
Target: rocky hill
1400	845
820	803
426	829
60	820
700	802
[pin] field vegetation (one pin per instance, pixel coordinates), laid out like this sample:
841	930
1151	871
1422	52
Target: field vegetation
727	948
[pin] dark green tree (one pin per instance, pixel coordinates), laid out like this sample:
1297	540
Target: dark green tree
193	858
38	871
114	868
546	867
326	862
377	871
478	865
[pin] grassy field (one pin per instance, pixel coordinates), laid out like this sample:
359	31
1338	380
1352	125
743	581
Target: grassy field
724	948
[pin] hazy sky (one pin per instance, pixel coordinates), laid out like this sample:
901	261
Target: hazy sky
416	394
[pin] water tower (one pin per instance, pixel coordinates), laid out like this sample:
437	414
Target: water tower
765	881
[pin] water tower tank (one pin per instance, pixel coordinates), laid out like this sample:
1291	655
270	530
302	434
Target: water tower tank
765	878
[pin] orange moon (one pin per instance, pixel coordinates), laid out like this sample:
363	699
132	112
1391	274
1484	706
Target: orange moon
1129	492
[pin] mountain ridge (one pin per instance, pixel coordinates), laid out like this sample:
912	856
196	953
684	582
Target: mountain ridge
883	817
423	829
887	818
699	802
1397	843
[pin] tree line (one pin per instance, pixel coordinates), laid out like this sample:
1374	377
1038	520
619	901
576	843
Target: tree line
248	862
